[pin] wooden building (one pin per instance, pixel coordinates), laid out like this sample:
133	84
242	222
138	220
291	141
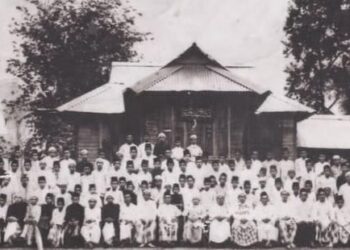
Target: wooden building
192	94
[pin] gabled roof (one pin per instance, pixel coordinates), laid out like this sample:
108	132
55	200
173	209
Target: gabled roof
194	70
324	131
106	99
274	104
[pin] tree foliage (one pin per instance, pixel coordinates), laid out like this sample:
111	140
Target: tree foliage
318	43
65	49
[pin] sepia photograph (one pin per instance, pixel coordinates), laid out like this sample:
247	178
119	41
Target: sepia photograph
188	124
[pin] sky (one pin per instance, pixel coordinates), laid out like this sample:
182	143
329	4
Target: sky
234	32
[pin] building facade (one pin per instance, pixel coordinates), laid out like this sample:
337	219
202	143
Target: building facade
193	94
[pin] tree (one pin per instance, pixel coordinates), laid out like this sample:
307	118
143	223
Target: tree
66	48
318	45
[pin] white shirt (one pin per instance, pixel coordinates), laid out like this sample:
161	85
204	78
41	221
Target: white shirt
285	166
177	153
147	210
168	212
195	150
324	182
93	214
128	212
141	149
304	210
64	164
267	211
300	167
319	167
58	216
49	161
125	149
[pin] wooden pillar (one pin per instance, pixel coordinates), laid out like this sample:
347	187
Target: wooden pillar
172	124
289	138
229	131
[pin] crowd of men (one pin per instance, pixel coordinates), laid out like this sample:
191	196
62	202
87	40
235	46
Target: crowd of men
157	194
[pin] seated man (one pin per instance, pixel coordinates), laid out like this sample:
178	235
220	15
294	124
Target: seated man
31	220
323	215
15	218
265	217
168	215
244	230
219	229
342	222
287	226
91	230
305	234
127	220
110	220
195	215
146	220
73	221
55	236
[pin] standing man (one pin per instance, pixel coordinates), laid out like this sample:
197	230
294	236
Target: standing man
125	148
285	164
161	145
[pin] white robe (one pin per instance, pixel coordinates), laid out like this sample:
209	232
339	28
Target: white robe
128	219
266	231
219	231
91	230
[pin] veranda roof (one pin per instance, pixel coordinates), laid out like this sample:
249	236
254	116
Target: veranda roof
324	131
274	104
106	99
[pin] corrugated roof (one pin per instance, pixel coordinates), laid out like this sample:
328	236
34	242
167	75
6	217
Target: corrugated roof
324	131
274	103
106	99
194	70
129	73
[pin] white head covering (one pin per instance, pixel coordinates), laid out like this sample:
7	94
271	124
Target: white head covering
160	135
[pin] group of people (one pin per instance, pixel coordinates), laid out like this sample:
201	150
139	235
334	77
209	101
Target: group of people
155	194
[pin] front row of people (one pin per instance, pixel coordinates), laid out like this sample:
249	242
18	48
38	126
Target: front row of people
303	223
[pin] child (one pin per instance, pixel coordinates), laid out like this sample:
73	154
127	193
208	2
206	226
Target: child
168	215
195	215
207	195
110	220
177	151
31	220
91	230
55	236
